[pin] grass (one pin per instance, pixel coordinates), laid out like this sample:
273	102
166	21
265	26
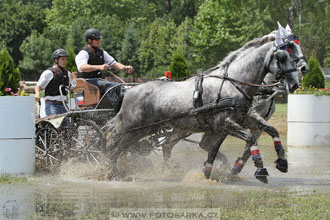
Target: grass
8	179
278	205
279	118
327	83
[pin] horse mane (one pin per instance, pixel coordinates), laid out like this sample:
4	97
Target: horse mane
257	42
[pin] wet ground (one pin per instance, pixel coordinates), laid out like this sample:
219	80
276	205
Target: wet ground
79	191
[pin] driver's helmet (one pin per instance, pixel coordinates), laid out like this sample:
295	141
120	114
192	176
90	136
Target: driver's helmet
93	34
59	53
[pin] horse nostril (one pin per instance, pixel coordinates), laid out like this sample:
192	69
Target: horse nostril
303	70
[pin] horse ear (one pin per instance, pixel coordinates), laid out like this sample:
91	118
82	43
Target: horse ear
278	39
282	30
288	29
281	55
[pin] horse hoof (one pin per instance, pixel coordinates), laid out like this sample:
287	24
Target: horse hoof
206	173
261	175
282	165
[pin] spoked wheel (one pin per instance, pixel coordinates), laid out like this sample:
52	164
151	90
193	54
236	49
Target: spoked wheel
49	147
151	143
88	142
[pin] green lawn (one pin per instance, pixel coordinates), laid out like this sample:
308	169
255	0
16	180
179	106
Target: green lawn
327	83
281	110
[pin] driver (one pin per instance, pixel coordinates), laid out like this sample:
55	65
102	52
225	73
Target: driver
92	60
50	80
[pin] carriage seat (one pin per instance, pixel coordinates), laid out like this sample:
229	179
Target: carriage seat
85	94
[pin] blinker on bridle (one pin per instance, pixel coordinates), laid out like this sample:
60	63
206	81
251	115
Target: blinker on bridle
288	43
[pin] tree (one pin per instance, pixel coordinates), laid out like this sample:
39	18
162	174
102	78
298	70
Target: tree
314	77
70	62
223	26
313	28
76	38
112	30
17	20
130	47
155	53
63	14
37	51
178	67
181	41
9	76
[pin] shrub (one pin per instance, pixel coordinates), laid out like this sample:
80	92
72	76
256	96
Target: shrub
9	76
314	77
179	67
70	63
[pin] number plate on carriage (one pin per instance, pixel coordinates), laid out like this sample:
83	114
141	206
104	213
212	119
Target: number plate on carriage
79	97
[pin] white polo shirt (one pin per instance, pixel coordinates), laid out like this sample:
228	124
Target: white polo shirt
45	78
82	58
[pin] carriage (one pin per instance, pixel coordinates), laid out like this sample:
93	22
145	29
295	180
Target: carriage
79	134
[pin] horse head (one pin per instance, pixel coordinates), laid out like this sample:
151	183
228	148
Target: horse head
288	58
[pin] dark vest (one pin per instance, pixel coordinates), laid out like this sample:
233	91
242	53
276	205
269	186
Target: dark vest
95	58
59	78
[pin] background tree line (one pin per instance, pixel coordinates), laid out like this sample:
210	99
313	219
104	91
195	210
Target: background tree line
148	33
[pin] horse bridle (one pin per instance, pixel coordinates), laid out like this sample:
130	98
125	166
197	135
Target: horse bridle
290	41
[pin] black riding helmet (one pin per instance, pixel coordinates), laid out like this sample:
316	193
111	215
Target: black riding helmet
93	34
60	53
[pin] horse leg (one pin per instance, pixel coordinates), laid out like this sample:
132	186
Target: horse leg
211	144
170	142
281	162
240	162
120	142
236	130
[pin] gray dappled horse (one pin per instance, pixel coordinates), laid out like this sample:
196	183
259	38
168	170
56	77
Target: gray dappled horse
226	101
261	111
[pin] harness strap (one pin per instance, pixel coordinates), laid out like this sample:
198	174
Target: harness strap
197	96
241	90
289	71
223	81
223	104
244	83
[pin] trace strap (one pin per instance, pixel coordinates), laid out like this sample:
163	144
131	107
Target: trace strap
244	83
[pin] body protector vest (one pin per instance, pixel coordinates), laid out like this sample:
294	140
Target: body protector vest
59	78
95	58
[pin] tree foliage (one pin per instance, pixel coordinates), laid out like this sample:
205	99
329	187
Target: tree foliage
37	52
129	51
17	20
314	77
178	67
70	62
155	52
9	75
204	31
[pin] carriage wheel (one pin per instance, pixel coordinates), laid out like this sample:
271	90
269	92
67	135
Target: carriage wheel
88	142
151	143
49	148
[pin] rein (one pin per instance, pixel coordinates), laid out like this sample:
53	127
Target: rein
244	83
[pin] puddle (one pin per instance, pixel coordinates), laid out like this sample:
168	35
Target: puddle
80	191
